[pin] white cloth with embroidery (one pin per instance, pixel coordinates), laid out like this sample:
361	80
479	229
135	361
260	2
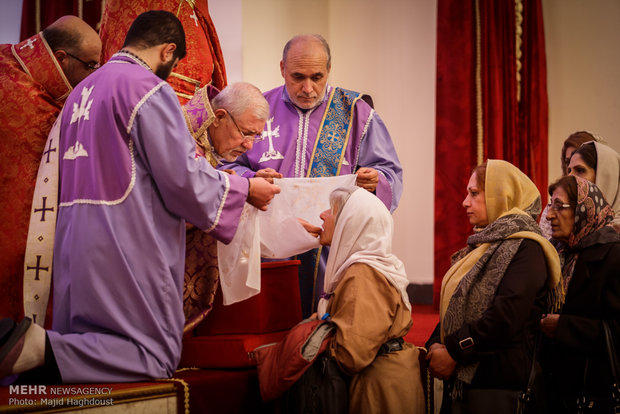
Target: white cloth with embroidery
274	233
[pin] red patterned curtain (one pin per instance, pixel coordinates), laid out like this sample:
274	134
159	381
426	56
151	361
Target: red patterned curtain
491	103
38	14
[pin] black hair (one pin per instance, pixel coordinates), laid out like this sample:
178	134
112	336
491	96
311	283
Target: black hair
156	27
587	152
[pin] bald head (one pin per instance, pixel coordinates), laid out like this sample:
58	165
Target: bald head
76	45
309	43
305	66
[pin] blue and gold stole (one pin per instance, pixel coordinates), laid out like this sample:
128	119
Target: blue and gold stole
326	160
333	136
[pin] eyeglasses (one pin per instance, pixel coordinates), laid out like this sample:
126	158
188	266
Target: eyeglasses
247	137
558	206
90	66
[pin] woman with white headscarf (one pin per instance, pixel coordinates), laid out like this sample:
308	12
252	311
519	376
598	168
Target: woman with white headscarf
365	297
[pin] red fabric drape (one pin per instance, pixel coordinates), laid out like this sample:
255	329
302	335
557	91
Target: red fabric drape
512	105
50	11
204	63
455	149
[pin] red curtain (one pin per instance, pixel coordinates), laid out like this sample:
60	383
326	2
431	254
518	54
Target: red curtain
491	103
50	11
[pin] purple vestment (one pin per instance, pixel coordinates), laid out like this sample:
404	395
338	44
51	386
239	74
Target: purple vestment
129	180
291	133
290	136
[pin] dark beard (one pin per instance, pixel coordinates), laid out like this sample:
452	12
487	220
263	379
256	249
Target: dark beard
164	70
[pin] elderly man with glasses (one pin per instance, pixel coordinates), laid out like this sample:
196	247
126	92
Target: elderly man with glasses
224	125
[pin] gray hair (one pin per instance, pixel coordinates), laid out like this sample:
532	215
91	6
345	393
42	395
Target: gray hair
239	97
318	37
339	197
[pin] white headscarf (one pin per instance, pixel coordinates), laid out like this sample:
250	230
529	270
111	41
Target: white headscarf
363	234
608	177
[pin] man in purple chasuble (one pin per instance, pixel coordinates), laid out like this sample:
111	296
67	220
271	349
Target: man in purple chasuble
316	130
128	182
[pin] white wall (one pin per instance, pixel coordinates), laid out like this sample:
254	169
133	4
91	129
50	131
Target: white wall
227	17
387	49
10	21
583	72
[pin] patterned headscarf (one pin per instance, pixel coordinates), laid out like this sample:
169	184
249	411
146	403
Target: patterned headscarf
592	213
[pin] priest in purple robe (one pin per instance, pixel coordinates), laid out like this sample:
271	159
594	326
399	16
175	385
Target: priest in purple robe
128	182
316	130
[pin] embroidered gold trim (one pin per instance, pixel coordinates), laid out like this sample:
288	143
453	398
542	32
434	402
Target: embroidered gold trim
318	134
191	3
200	135
185	78
20	61
479	114
184	95
346	140
518	44
185	391
37	16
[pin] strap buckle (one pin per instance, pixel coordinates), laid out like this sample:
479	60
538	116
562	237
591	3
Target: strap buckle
466	343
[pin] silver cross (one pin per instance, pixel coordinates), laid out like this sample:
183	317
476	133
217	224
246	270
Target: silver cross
29	44
271	154
193	16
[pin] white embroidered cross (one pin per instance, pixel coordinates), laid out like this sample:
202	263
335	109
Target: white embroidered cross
84	109
193	16
271	154
29	44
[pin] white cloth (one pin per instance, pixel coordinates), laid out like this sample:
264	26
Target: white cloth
363	234
274	233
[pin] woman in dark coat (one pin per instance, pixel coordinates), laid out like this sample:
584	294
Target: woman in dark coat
589	248
493	296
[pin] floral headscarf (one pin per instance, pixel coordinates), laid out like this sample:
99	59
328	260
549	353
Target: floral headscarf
592	213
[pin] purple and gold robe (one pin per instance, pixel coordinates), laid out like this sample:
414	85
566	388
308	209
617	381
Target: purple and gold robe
128	181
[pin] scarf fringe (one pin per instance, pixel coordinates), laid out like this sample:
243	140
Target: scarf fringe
555	298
